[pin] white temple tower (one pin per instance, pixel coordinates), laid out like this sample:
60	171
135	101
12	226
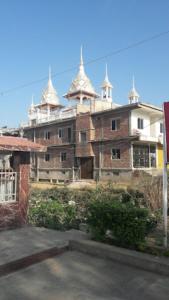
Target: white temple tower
106	88
49	103
133	94
81	87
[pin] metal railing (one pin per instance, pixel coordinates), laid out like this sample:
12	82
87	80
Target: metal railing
8	186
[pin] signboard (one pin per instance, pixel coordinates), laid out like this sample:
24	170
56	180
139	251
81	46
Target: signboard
166	125
165	177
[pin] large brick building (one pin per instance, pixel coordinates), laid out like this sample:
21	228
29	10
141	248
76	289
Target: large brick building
93	138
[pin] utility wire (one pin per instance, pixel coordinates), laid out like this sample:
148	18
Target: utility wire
112	53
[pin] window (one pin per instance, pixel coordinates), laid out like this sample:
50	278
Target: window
47	135
69	134
140	123
115	154
115	125
63	156
83	137
60	133
140	156
152	156
161	127
144	156
47	157
109	92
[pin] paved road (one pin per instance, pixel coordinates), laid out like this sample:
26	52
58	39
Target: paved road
76	276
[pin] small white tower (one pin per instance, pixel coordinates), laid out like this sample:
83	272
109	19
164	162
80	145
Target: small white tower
32	107
106	88
81	88
133	95
49	95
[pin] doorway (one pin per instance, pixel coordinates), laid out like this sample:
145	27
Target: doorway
86	167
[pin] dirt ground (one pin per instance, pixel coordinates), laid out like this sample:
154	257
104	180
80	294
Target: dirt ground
75	185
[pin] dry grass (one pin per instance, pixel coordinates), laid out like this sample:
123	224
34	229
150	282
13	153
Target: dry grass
152	188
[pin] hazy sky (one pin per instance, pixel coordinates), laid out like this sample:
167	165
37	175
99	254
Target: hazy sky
36	33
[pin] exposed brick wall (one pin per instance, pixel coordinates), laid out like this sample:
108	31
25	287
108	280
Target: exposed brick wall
84	123
54	133
97	127
84	150
102	124
15	214
55	159
107	161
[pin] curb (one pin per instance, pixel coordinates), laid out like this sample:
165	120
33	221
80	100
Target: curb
131	258
27	261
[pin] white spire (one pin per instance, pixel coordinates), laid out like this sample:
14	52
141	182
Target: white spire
133	94
81	55
81	83
81	66
106	88
32	103
49	95
50	73
133	83
106	81
106	76
32	106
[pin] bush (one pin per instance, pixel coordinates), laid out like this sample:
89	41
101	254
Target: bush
127	224
53	215
41	200
105	209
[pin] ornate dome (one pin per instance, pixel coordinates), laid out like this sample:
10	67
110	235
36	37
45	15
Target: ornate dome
49	95
81	83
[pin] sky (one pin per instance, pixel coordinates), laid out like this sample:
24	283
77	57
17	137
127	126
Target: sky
37	33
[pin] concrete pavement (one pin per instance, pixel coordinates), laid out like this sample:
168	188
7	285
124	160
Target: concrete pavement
78	276
28	245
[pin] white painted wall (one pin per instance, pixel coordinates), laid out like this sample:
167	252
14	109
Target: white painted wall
146	126
151	127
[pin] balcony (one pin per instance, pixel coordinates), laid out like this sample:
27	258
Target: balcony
156	138
39	117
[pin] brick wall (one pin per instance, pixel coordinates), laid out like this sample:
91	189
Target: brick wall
54	133
102	124
107	161
84	124
15	214
55	157
97	127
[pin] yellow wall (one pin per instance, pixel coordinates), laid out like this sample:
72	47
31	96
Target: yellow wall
160	156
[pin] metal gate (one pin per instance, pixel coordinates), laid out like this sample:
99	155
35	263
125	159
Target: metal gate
8	186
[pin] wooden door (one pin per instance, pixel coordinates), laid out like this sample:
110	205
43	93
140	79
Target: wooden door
86	166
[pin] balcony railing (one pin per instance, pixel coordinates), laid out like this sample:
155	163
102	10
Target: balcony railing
41	117
157	138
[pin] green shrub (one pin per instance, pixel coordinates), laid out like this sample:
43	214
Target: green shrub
104	208
127	224
53	215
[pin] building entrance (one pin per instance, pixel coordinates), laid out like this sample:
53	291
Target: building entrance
86	167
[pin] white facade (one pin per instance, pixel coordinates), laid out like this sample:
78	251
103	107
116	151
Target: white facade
146	124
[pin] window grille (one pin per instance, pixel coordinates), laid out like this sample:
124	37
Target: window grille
8	186
115	153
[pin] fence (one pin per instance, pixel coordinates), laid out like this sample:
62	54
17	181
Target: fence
8	186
